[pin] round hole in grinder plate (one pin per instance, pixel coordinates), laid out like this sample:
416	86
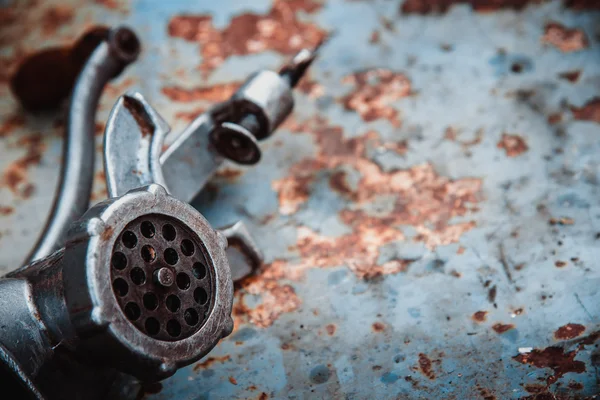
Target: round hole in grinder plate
173	328
152	326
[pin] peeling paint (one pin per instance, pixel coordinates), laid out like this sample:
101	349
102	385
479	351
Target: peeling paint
513	145
569	331
374	93
278	30
563	38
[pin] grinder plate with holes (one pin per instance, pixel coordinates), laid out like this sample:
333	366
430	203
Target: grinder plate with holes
161	277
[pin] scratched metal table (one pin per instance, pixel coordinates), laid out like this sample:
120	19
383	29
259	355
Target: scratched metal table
430	215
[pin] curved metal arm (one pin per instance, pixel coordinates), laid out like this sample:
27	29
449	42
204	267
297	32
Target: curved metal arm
77	171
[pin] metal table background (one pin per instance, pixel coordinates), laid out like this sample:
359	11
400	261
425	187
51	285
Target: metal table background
431	227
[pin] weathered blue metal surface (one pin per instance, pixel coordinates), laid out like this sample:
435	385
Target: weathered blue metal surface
435	236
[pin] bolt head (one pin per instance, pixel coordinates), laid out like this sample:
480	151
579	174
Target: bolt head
164	276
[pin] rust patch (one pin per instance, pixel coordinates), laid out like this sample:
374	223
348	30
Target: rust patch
136	109
54	18
555	358
480	316
571	76
590	111
375	37
374	91
6	210
452	133
554	118
276	299
563	38
232	380
113	5
11	123
16	174
535	388
442	6
560	264
213	94
561	221
569	331
189	116
330	328
420	197
575	385
425	366
263	396
378	327
210	361
338	183
229	174
513	145
107	233
500	328
309	87
279	30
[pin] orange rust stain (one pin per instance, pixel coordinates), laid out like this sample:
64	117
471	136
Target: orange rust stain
375	37
189	116
210	361
232	380
263	396
330	328
214	93
6	210
54	18
11	123
555	358
279	30
513	145
276	298
571	76
561	221
451	133
554	118
229	174
421	198
107	232
460	250
563	38
310	87
99	128
569	331
15	175
374	91
293	191
378	327
442	6
425	366
590	111
480	316
560	264
500	328
113	5
118	89
338	183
